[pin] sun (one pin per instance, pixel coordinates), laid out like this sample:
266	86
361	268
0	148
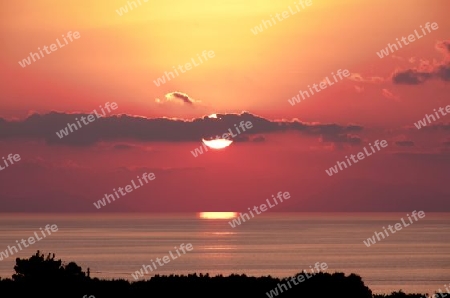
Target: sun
217	143
217	215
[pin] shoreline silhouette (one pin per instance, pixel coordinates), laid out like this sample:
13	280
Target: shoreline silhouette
45	275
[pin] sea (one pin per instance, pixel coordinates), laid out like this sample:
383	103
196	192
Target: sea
415	259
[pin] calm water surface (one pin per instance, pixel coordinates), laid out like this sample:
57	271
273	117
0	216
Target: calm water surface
415	259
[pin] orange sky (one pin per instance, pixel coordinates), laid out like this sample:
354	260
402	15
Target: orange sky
117	58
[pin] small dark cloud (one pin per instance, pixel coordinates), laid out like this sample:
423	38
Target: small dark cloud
410	77
341	138
248	138
123	147
180	96
443	72
439	126
40	163
241	138
259	139
444	47
427	71
404	143
439	156
446	143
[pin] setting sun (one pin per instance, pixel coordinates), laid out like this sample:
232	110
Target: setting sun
217	143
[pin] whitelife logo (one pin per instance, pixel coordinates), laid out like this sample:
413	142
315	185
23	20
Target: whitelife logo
10	158
147	178
411	38
124	9
301	278
398	227
440	294
137	274
162	80
91	118
237	221
53	48
360	156
323	85
423	122
31	240
284	15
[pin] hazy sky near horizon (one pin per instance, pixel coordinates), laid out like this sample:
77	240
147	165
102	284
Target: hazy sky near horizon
117	58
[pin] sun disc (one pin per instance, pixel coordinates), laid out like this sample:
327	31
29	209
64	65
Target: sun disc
217	143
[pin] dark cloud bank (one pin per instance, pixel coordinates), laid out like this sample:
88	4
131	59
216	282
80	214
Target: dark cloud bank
159	129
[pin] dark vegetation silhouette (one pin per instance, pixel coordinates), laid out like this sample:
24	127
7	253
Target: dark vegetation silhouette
46	277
